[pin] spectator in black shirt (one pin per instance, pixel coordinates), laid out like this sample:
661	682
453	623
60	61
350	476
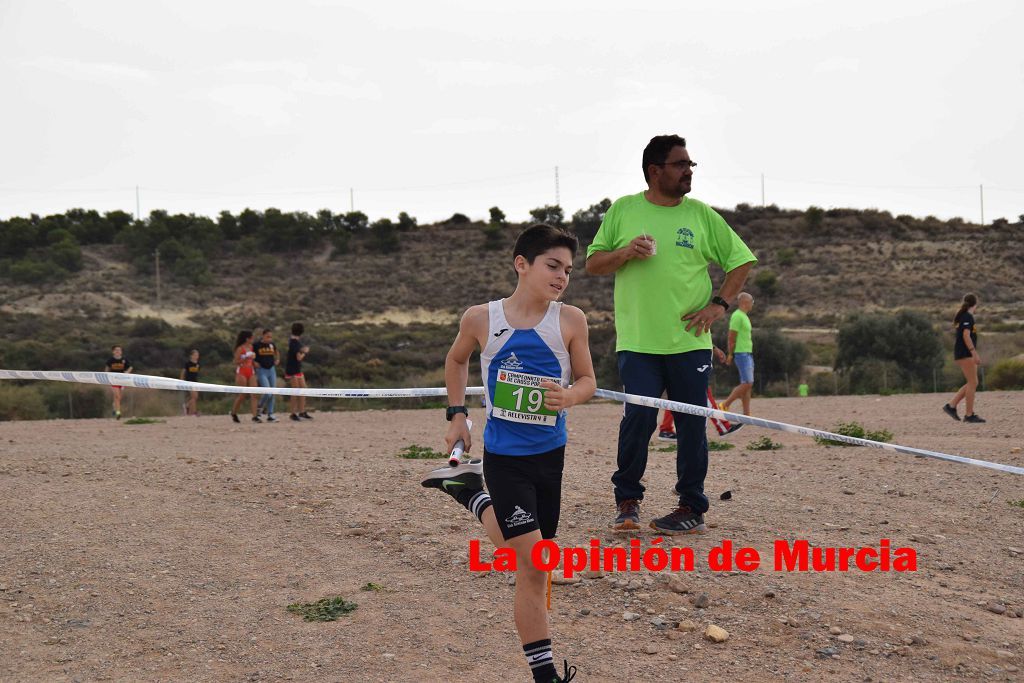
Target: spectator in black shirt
117	363
965	354
293	372
190	373
267	359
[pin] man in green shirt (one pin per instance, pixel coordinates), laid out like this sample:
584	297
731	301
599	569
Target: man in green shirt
658	243
741	349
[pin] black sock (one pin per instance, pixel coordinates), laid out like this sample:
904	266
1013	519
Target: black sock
539	657
474	500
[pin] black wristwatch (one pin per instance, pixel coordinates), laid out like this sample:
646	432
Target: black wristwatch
452	411
720	301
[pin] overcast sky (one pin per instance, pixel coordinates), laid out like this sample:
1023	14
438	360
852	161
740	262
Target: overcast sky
437	107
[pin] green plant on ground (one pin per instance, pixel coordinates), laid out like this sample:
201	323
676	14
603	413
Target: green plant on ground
1017	503
415	452
765	443
857	431
325	609
720	446
371	586
142	421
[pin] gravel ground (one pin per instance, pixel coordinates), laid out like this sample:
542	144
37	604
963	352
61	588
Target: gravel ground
170	552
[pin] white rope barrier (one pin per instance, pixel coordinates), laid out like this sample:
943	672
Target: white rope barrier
168	383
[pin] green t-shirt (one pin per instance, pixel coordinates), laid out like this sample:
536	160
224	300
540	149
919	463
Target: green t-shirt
653	294
740	324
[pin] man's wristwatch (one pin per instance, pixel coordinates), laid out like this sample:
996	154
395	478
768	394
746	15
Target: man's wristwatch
452	411
720	301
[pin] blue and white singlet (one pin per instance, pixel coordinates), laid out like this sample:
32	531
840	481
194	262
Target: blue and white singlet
512	365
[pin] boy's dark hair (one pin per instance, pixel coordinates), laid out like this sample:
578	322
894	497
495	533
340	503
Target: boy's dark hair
116	346
540	237
298	329
658	148
265	330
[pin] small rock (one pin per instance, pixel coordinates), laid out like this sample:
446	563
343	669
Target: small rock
686	626
847	492
630	616
676	585
835	630
793	622
845	638
716	634
1004	654
769	594
673	635
827	652
560	580
673	658
996	608
585	611
701	601
651	649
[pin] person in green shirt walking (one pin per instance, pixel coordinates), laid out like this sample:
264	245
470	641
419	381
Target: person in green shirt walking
659	243
741	350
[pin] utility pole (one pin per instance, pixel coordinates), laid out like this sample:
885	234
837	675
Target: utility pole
762	190
981	194
157	254
138	212
351	199
558	196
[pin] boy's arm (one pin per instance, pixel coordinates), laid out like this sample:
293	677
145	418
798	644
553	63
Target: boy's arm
584	382
182	377
456	371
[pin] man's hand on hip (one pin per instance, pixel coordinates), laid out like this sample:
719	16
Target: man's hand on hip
701	321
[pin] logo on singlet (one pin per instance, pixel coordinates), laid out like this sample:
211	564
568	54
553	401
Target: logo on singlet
500	332
511	363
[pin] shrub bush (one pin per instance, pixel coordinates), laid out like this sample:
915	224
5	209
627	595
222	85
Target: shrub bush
1006	374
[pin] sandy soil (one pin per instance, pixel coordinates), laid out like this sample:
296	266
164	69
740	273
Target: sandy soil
170	551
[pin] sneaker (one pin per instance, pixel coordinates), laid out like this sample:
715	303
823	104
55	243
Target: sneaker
666	436
951	411
732	428
256	418
973	417
306	416
629	516
463	477
294	418
680	521
234	417
117	415
271	418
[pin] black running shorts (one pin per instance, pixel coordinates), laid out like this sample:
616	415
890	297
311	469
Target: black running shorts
526	491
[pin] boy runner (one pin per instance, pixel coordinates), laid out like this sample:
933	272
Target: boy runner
117	363
531	346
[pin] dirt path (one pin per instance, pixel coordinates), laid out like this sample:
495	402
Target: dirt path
169	552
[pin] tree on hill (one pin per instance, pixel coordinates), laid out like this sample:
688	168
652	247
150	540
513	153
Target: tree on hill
551	214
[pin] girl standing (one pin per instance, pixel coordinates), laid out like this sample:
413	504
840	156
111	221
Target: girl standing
245	376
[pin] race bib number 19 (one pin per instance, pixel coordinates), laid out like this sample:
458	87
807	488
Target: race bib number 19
519	398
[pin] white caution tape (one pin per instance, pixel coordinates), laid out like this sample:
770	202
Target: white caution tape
796	429
153	382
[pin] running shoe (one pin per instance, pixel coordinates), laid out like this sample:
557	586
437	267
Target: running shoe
733	427
680	521
463	477
973	417
256	418
294	418
117	414
271	418
951	411
234	417
567	675
629	516
305	416
666	436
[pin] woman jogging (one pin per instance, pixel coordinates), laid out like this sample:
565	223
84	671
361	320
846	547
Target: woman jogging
245	375
965	353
